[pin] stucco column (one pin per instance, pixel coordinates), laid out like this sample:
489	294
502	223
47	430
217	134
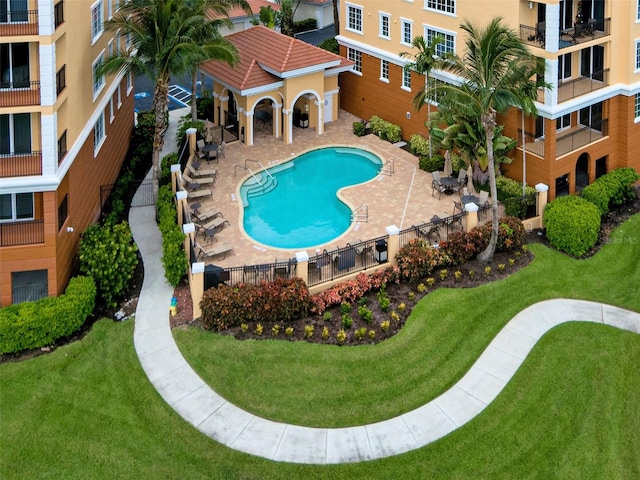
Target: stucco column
543	198
277	110
471	218
320	119
288	126
181	205
216	109
393	243
191	137
248	130
175	177
196	285
302	266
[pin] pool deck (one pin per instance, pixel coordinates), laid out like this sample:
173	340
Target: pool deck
402	199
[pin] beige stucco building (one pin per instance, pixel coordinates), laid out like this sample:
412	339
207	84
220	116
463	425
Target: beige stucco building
63	134
588	121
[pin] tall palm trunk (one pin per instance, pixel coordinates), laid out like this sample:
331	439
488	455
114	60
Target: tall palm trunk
489	125
161	110
194	91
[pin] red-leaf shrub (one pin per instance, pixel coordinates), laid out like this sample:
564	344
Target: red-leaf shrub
417	259
282	300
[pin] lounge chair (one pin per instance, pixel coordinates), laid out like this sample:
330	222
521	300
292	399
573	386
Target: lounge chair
208	215
216	223
346	259
214	251
193	194
199	181
362	249
429	231
196	170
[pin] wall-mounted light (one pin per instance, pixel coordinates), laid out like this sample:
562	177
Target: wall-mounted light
306	107
69	229
408	115
530	5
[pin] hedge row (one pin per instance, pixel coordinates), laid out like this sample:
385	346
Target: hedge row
173	257
29	325
385	130
614	188
282	300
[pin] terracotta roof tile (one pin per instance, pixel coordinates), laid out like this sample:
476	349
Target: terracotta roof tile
267	56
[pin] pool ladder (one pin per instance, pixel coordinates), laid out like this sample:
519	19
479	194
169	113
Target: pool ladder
361	214
387	168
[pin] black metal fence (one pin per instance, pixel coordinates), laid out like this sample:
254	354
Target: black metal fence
434	231
521	207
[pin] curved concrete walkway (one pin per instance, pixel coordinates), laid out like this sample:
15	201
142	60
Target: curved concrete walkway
198	404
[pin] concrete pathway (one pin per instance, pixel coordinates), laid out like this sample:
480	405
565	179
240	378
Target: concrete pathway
198	404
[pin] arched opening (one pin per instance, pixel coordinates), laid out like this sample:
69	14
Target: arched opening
582	171
263	121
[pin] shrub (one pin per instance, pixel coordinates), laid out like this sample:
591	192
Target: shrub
612	189
384	325
359	128
186	123
419	145
510	193
360	333
142	136
288	331
417	259
108	254
328	316
385	130
165	167
281	300
205	106
341	336
331	45
347	321
325	333
365	313
305	25
572	224
259	329
173	257
308	331
432	164
383	299
275	330
29	325
372	334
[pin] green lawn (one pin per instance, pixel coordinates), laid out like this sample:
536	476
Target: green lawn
88	411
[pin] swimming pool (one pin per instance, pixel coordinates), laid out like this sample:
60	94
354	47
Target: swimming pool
295	205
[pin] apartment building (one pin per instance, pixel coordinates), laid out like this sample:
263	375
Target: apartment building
64	133
588	121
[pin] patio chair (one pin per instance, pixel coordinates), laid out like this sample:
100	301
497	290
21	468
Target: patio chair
362	249
221	148
346	259
462	178
483	198
199	153
457	206
198	171
214	251
436	186
430	232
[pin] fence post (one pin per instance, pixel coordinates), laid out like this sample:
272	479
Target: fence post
543	198
196	284
302	266
191	137
393	243
175	176
181	198
471	218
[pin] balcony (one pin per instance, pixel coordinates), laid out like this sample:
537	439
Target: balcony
591	30
21	233
21	22
19	94
532	144
581	136
20	164
573	88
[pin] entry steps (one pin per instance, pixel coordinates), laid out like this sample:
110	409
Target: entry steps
261	182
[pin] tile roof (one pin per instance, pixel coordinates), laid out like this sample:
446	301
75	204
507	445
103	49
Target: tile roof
266	57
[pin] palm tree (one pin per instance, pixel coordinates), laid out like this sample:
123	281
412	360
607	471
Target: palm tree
158	33
496	71
423	62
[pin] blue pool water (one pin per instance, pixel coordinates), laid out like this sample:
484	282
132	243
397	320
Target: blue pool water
297	207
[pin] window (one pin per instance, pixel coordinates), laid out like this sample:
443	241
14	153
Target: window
13	11
638	12
406	78
563	122
384	71
354	18
62	147
98	80
384	25
448	46
61	79
355	56
63	211
111	110
110	48
129	83
29	286
109	9
97	22
15	133
406	32
58	14
637	108
119	96
446	6
637	55
16	206
14	65
98	134
564	66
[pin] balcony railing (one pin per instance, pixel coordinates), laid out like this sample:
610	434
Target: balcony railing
19	94
532	144
21	233
581	136
573	88
20	164
21	22
591	30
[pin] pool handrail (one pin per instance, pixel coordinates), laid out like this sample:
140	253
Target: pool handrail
259	163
